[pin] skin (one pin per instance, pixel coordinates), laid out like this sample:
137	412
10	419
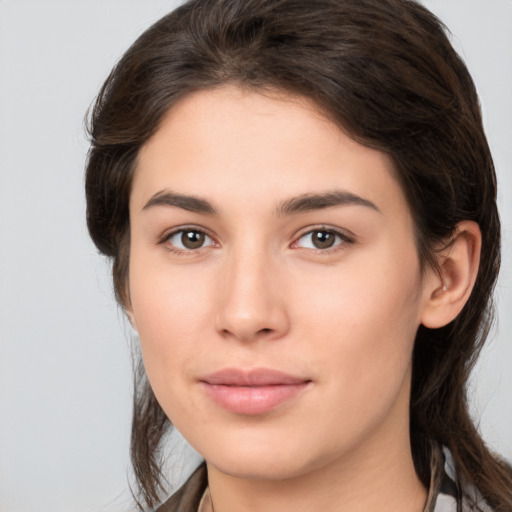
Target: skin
259	294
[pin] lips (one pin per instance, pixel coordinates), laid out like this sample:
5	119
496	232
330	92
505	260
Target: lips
252	392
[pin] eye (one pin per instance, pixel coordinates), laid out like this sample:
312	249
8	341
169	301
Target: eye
189	240
321	239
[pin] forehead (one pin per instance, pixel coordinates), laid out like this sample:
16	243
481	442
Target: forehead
236	144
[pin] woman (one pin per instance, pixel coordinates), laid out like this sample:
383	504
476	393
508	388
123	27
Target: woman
299	201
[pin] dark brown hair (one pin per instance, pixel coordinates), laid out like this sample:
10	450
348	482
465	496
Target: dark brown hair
385	71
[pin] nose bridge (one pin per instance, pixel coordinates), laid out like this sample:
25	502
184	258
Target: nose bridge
250	307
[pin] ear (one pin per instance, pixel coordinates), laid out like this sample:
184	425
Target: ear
447	291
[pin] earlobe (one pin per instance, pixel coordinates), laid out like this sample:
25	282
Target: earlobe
448	290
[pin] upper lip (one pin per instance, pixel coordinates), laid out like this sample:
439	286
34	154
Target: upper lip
252	377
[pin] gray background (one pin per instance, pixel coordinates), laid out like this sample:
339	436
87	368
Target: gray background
65	378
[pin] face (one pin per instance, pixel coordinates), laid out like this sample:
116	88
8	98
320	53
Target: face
274	283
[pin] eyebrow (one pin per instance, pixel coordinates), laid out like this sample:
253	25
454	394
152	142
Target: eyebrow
308	202
186	202
302	203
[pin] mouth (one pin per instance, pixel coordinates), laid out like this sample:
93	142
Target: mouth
252	392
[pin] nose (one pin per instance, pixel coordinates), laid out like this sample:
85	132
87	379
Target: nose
252	298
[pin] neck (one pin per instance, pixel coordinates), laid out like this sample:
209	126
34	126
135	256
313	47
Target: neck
375	474
382	480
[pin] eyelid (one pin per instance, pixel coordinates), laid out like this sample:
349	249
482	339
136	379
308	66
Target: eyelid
164	239
346	238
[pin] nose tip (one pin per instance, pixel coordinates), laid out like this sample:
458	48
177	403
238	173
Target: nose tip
247	327
252	307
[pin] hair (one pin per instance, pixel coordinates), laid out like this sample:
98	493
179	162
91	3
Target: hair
386	73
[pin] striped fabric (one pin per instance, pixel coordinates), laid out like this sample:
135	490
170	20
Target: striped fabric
449	497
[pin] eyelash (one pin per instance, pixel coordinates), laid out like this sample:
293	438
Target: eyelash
186	252
343	240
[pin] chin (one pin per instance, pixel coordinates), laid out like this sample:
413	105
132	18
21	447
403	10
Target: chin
268	459
259	468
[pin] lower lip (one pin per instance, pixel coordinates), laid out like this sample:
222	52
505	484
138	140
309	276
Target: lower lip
251	400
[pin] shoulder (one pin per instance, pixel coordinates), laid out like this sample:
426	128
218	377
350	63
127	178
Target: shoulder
188	496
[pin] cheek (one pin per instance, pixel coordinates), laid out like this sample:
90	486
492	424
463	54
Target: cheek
370	291
170	311
365	319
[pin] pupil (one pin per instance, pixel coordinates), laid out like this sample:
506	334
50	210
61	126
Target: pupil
323	239
192	239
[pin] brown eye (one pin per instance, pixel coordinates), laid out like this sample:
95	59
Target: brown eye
192	239
189	240
321	239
